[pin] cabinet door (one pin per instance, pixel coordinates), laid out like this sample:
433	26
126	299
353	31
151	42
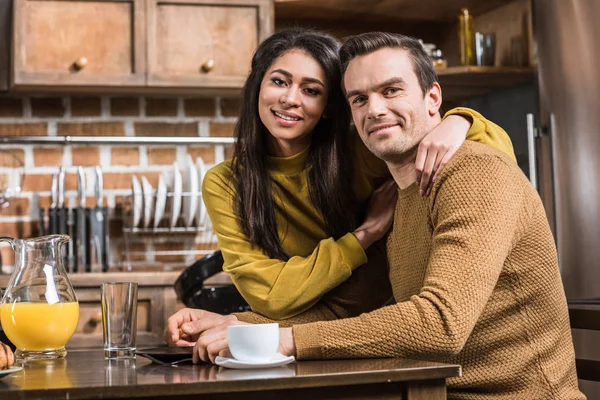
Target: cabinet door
60	43
204	43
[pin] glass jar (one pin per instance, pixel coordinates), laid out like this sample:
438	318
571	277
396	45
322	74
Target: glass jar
39	310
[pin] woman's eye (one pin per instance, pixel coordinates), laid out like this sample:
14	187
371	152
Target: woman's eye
278	82
313	92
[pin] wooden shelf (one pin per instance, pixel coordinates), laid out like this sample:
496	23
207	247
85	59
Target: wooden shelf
381	10
460	83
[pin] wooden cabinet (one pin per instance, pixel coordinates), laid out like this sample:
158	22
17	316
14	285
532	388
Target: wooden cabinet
202	43
118	45
78	42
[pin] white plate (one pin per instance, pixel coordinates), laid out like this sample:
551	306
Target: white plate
161	200
201	215
276	361
266	373
177	189
12	370
138	200
148	201
190	186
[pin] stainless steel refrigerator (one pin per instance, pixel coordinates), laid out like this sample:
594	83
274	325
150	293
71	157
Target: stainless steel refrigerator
567	46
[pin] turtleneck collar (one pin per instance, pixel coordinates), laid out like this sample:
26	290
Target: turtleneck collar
288	165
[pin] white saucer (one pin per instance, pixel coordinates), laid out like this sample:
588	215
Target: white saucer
4	372
276	361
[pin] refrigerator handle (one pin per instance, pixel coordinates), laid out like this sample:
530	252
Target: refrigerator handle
531	134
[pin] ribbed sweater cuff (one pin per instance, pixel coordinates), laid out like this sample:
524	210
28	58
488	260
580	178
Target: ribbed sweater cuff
352	251
306	339
477	125
250	317
464	112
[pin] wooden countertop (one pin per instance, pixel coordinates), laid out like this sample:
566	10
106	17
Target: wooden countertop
94	279
86	375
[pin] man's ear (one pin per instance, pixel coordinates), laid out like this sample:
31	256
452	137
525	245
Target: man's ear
433	99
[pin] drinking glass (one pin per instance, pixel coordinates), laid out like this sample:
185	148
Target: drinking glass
119	319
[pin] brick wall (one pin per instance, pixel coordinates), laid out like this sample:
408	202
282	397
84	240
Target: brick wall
108	116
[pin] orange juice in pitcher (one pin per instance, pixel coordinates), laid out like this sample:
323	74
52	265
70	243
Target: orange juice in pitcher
39	326
39	311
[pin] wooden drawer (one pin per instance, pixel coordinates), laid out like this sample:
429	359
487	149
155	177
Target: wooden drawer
204	43
155	305
51	36
90	316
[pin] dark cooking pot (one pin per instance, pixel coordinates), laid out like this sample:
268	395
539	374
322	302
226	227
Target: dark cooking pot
191	291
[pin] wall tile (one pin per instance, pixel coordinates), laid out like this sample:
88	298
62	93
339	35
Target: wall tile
47	156
222	129
189	129
12	158
86	106
122	180
86	156
91	129
11	107
161	155
7	254
125	106
200	107
206	152
124	155
47	107
157	107
43	182
16	207
20	229
228	150
230	107
37	129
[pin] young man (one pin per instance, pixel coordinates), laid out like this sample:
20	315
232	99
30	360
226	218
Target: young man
473	267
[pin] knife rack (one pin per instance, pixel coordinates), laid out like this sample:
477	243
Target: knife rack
197	235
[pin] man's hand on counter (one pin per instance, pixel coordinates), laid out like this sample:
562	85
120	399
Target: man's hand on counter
287	347
186	325
207	332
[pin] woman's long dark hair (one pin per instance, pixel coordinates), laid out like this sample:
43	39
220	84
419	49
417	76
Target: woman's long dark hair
329	167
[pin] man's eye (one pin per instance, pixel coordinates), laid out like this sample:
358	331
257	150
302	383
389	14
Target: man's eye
359	100
391	91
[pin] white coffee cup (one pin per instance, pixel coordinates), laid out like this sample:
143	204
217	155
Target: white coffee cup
254	342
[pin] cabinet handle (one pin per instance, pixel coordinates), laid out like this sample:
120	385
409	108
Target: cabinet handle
80	64
208	66
531	150
96	318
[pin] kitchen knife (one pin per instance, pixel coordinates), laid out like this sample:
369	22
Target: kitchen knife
52	220
83	261
62	216
100	223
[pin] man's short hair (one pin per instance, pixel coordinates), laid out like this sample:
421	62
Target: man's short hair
370	42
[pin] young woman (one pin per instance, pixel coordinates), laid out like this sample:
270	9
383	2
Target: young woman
288	210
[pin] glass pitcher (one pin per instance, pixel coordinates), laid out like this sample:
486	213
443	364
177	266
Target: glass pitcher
39	311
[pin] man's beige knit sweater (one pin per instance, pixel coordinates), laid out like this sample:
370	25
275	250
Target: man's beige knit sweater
474	273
